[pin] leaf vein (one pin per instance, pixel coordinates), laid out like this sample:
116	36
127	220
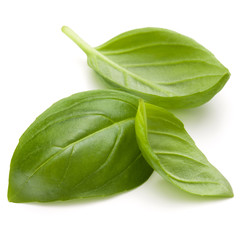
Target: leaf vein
78	141
117	175
103	165
180	155
67	119
123	36
189	79
165	120
118	52
171	135
66	169
132	65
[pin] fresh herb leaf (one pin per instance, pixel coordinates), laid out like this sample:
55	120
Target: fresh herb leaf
170	151
82	146
159	65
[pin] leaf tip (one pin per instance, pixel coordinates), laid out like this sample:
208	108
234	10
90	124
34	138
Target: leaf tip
229	192
141	103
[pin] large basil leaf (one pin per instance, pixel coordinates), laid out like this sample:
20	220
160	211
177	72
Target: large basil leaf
169	149
159	65
82	146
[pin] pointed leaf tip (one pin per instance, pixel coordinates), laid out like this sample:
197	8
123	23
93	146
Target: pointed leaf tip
172	153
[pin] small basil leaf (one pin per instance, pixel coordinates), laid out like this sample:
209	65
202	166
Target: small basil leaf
82	146
159	65
170	151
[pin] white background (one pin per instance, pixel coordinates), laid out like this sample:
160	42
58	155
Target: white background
39	65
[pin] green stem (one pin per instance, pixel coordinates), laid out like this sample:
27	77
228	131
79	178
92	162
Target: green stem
75	38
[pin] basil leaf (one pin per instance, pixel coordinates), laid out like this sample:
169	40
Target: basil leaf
82	146
159	65
170	151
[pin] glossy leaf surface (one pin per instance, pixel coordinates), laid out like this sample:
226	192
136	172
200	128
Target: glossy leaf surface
159	65
169	149
82	146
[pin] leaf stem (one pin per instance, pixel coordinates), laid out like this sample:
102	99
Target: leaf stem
75	38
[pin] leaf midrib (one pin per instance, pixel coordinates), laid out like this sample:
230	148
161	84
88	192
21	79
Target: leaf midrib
125	71
143	80
72	144
127	50
76	104
157	163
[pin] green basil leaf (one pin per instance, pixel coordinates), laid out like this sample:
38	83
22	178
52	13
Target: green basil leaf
82	146
170	151
159	65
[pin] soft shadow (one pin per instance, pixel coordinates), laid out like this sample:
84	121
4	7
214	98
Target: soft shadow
73	202
167	192
194	115
188	115
97	81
